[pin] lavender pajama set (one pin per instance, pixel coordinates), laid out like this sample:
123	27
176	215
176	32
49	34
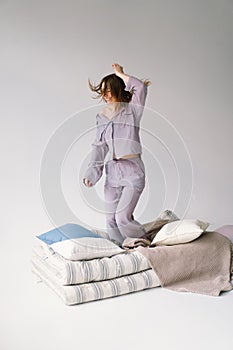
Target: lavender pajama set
125	178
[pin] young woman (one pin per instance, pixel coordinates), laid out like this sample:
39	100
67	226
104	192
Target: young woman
117	134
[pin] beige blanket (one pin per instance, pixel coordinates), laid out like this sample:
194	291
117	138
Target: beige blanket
201	266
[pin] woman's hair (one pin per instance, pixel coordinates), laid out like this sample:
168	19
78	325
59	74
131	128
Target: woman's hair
116	85
113	83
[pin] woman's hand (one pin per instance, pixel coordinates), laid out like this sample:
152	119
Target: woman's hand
117	68
87	183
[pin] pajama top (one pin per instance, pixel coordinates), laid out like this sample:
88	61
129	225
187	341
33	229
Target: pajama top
118	136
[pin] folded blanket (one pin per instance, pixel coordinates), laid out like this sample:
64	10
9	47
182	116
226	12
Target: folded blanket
201	266
132	243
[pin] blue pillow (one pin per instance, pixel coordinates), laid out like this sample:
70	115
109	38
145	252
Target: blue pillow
64	232
75	242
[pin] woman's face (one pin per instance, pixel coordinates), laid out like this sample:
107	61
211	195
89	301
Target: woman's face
108	97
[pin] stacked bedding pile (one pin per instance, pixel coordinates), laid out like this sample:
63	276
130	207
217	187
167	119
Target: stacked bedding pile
82	266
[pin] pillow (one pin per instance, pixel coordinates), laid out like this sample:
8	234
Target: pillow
75	242
227	231
180	231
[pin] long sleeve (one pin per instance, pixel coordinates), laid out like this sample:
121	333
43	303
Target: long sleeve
98	154
139	90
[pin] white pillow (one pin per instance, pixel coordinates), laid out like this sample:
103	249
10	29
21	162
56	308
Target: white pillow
86	248
180	231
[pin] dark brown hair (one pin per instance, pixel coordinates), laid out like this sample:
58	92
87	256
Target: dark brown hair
113	83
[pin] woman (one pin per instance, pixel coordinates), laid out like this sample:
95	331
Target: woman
117	135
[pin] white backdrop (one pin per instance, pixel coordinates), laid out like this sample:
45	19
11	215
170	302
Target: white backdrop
48	51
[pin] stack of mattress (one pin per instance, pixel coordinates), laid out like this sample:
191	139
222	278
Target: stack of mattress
80	270
82	265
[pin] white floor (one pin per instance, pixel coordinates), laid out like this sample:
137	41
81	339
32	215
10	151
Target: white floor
33	317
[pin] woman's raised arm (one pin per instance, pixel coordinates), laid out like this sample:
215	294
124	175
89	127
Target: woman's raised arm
136	86
118	70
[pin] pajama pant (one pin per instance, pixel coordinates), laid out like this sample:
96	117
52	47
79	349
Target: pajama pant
125	181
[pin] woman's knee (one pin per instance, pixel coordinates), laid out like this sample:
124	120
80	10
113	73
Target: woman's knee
123	218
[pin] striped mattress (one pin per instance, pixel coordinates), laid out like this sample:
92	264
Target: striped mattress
105	282
74	272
